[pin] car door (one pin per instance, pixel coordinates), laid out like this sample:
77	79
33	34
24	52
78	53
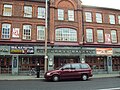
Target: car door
65	71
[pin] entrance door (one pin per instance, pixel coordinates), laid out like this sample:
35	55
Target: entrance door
5	64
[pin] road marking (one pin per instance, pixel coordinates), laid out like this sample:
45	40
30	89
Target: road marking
110	89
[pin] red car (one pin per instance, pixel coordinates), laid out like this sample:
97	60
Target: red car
70	71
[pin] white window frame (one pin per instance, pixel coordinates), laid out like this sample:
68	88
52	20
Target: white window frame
71	15
89	35
119	19
88	16
40	32
28	11
41	12
60	14
114	36
7	10
100	37
27	32
6	29
98	17
66	34
112	19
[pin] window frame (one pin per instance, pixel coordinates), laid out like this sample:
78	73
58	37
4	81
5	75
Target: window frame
28	13
60	14
89	35
25	36
88	16
66	34
5	13
6	32
99	18
114	40
39	35
41	14
71	15
100	37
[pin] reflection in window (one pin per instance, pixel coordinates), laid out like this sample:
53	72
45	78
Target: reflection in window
89	35
112	19
113	36
66	34
7	10
100	37
40	33
41	12
60	14
98	17
27	11
88	16
71	15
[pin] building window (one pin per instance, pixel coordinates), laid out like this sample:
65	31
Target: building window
98	17
89	35
71	15
66	34
112	19
60	14
119	19
40	33
27	11
100	37
113	36
6	28
7	10
27	32
88	16
41	12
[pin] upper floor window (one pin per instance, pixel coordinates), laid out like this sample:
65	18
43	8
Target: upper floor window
89	35
27	11
113	36
6	28
112	19
71	15
100	37
65	34
40	33
88	16
41	12
119	19
60	14
98	17
27	32
7	10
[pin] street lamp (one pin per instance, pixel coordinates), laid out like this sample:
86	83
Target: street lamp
46	35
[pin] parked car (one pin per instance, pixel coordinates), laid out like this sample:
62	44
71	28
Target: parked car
70	71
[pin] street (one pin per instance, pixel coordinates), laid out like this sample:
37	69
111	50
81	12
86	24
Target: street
92	84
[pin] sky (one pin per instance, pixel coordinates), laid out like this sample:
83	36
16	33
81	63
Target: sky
103	3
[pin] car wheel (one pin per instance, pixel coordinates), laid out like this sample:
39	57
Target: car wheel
84	77
55	78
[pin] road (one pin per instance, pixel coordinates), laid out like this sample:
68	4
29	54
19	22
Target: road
92	84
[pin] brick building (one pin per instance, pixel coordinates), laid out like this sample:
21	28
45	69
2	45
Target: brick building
76	33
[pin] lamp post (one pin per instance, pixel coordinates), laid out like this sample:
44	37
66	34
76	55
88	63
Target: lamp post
46	35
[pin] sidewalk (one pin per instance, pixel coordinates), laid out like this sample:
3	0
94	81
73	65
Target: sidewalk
11	77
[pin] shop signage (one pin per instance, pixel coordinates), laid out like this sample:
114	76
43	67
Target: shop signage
3	50
22	50
104	51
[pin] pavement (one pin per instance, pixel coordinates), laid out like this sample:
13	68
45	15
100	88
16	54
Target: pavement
21	77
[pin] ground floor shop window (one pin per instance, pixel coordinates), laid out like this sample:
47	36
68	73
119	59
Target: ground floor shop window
5	64
97	62
116	63
61	60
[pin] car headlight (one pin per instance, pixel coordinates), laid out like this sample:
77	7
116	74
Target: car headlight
48	74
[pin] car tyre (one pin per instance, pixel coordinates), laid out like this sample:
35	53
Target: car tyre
84	77
55	78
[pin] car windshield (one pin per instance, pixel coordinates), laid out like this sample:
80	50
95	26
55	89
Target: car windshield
58	68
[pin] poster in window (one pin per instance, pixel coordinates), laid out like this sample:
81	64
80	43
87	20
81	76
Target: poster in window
107	38
15	32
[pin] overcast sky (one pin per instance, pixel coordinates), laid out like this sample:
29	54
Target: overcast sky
103	3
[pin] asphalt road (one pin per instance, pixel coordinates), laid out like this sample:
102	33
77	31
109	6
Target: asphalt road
92	84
